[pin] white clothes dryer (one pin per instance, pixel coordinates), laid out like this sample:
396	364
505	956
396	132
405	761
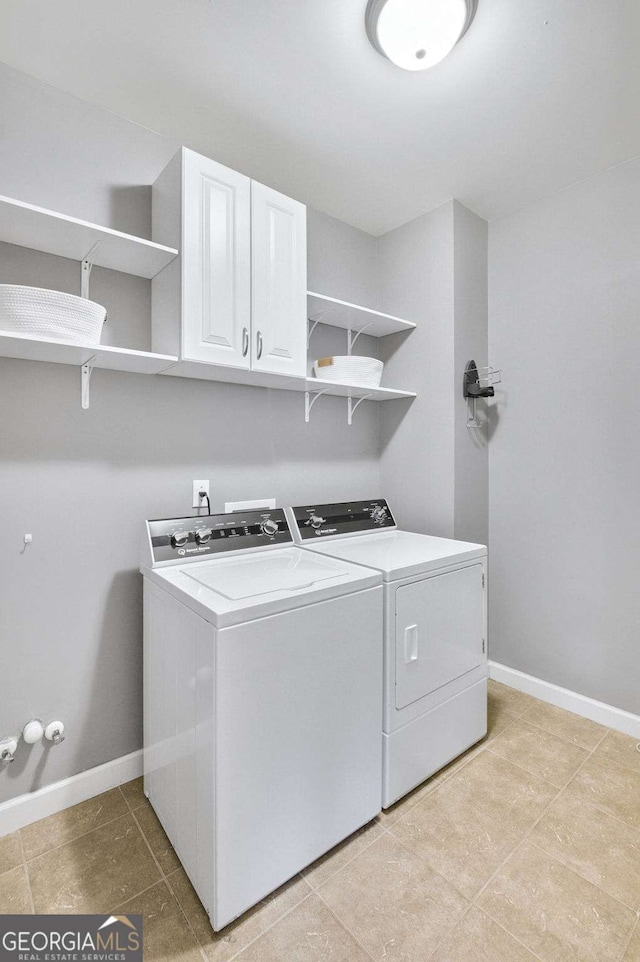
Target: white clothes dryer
435	633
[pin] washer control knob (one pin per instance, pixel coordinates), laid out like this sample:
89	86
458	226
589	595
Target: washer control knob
316	521
203	535
379	513
179	538
269	527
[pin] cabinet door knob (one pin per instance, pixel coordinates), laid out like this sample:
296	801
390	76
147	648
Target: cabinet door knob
245	341
259	343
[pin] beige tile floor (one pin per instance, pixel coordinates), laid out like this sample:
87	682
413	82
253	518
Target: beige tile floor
527	847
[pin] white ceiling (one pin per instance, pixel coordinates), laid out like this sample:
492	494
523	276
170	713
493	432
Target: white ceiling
538	95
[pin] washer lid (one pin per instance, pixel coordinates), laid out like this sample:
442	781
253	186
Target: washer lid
255	584
399	554
253	575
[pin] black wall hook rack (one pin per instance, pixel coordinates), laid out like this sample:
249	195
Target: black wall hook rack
478	383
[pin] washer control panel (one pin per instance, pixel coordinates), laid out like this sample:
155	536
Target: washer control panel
347	517
182	539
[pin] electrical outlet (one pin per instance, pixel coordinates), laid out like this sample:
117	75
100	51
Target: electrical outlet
196	500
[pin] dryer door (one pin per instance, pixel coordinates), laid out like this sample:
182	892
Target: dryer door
439	631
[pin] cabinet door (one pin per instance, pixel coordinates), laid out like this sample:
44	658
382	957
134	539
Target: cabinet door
279	282
216	263
439	632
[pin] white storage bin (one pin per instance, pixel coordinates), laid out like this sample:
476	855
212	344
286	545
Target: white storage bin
37	312
349	369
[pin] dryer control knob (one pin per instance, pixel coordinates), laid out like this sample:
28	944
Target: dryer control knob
379	513
269	527
203	535
315	521
179	538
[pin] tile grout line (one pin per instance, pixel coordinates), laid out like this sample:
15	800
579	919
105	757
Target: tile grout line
26	873
574	871
480	748
435	872
615	761
343	925
510	934
484	912
269	927
314	888
584	761
128	803
548	731
520	693
531	774
143	891
485	745
69	840
602	811
314	891
594	802
167	879
184	915
164	878
524	838
474	901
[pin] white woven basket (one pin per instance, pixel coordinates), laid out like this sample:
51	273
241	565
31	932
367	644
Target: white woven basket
349	369
41	313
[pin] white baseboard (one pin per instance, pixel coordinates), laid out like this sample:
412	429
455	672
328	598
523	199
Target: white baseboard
25	809
597	711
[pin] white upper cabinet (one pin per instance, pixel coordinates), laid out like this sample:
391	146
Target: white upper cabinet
202	305
236	296
279	282
216	251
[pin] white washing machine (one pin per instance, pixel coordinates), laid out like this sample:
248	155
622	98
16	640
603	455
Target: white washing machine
435	631
262	701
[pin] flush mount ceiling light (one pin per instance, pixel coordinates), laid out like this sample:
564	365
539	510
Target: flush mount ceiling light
416	34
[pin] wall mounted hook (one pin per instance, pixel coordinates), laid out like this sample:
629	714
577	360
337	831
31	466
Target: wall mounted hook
478	383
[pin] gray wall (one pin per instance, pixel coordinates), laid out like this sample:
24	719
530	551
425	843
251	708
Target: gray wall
82	482
434	272
416	277
565	457
343	263
470	243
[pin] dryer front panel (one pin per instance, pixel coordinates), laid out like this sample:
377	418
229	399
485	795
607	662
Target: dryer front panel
439	632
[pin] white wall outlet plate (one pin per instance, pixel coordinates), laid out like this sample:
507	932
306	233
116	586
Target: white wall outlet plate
268	503
196	500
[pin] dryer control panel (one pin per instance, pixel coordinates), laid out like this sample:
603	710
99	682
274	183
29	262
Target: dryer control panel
185	539
347	517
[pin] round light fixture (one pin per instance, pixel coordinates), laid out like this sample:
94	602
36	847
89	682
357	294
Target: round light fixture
416	34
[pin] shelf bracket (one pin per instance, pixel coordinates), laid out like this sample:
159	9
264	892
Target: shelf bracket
86	268
316	319
352	338
310	398
352	408
86	370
